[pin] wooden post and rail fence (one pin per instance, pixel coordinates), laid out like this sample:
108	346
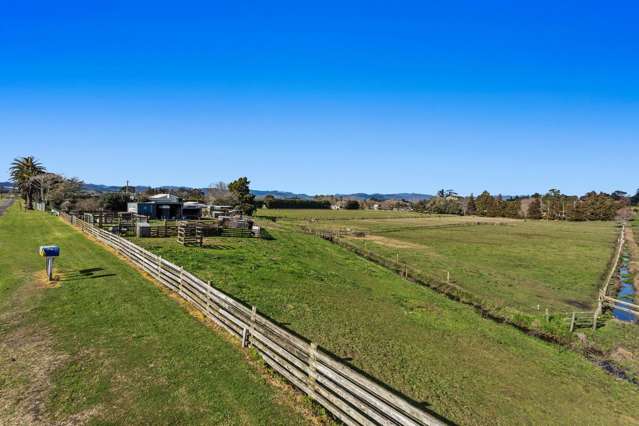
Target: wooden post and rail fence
603	299
349	395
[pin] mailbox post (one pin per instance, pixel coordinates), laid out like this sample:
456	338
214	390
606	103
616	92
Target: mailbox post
49	253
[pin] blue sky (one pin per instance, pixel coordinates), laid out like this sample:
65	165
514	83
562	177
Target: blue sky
324	98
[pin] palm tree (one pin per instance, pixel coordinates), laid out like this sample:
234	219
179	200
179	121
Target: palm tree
21	171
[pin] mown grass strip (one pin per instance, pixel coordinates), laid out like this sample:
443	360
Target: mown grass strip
126	353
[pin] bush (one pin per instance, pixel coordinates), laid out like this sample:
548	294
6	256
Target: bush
278	203
352	205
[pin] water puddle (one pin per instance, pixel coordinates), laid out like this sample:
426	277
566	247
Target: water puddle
626	291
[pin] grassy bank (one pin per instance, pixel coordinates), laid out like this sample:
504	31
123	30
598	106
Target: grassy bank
105	346
444	354
620	339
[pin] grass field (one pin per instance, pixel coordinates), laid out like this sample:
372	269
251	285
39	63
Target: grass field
333	214
105	346
527	265
465	367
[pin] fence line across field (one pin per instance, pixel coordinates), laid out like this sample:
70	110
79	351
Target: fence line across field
603	293
348	394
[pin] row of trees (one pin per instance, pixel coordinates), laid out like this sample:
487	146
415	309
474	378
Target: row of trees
552	206
488	205
280	203
36	184
592	206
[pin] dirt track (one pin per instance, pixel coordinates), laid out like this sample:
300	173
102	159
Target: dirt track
5	204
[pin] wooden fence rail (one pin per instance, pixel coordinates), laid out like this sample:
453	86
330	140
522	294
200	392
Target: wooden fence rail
622	305
162	231
348	394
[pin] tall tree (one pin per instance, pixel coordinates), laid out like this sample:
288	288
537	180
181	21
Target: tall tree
44	183
21	171
497	207
534	209
66	193
512	208
484	203
471	207
242	193
115	201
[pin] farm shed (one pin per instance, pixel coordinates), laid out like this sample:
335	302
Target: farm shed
193	210
160	206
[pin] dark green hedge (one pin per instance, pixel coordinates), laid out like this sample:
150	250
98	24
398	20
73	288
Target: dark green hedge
277	203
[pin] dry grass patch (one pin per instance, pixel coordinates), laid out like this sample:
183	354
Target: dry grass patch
28	360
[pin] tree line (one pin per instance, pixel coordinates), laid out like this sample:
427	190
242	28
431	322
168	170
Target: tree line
271	202
35	184
551	206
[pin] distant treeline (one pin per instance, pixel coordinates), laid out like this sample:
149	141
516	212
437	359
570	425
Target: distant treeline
279	203
552	206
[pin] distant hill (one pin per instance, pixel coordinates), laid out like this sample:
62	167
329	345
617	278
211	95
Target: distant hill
280	194
409	196
92	187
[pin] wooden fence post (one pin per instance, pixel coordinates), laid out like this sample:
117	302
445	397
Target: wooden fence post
208	296
245	338
572	322
251	328
598	310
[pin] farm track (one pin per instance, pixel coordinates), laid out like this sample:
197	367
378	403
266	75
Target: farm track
5	204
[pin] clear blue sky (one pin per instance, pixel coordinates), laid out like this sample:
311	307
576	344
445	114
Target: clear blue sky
513	97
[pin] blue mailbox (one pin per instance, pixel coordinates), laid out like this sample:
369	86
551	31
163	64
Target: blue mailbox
49	251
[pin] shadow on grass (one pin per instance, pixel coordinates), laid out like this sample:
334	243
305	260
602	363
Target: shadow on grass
265	235
84	274
217	247
423	405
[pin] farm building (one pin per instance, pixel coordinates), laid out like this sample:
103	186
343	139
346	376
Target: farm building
160	206
214	211
193	210
168	206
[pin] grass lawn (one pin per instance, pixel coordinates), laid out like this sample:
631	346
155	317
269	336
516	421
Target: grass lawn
465	367
105	346
519	264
